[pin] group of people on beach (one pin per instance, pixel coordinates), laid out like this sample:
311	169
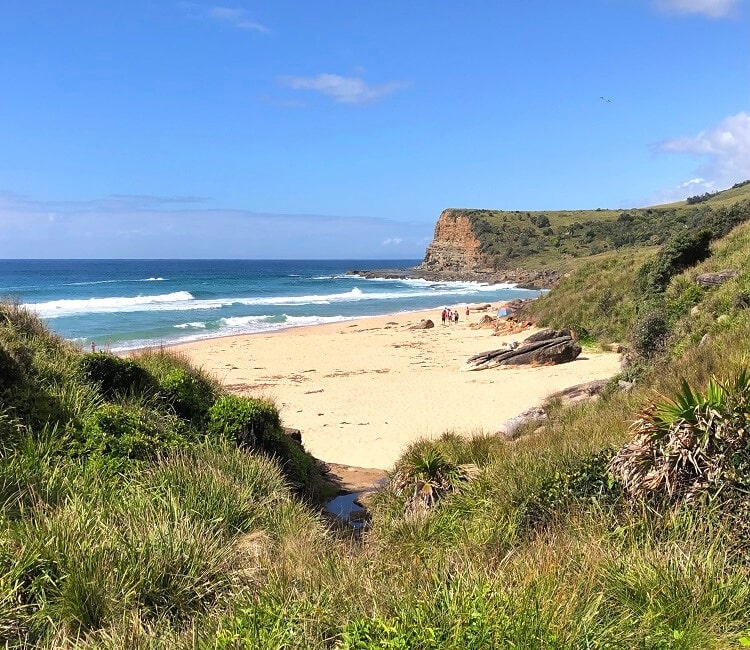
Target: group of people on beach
451	315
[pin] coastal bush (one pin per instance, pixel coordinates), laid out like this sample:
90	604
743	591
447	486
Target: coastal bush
585	483
15	361
187	395
115	376
127	432
189	391
650	332
246	421
680	252
255	424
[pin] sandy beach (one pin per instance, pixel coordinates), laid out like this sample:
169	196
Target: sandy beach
360	391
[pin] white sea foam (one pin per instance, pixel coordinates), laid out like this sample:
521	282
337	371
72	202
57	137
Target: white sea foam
184	301
265	323
198	325
237	325
163	302
90	282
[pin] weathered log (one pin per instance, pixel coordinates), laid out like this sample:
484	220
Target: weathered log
510	429
581	392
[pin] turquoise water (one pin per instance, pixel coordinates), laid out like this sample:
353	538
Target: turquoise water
125	304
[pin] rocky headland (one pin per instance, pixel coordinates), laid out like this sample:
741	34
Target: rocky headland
455	254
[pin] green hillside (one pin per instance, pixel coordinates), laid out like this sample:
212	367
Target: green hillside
144	507
556	239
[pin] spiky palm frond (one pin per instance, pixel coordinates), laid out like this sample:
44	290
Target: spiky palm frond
693	443
426	475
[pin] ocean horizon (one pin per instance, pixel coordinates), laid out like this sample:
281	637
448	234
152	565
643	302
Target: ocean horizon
127	304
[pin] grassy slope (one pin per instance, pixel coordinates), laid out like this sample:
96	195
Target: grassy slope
559	239
206	546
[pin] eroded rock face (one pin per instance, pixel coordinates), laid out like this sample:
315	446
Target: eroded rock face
454	247
455	254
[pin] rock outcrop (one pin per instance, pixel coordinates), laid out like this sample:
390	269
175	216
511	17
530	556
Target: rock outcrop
547	347
455	253
715	279
454	248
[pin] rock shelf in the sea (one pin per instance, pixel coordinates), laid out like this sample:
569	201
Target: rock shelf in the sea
522	278
546	347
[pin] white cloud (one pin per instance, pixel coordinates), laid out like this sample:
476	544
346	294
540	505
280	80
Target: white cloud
234	17
344	90
159	227
725	150
393	241
710	8
238	18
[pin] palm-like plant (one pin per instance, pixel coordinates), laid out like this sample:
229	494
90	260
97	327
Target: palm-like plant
426	475
695	443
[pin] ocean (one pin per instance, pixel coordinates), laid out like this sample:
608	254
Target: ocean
126	304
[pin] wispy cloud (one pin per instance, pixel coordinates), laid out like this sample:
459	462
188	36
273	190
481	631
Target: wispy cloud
153	227
343	90
232	16
393	241
238	18
724	150
710	8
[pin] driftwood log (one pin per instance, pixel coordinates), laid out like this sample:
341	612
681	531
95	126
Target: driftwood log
547	347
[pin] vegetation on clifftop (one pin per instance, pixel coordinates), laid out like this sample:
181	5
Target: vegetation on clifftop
550	239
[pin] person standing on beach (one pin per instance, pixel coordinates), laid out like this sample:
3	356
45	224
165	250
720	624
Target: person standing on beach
444	315
467	312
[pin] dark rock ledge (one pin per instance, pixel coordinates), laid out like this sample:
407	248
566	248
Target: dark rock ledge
524	279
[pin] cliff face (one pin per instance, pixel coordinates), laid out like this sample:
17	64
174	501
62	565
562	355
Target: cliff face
454	248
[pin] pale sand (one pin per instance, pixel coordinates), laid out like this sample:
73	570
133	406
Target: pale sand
361	391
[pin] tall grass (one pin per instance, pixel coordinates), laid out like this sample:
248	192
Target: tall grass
204	545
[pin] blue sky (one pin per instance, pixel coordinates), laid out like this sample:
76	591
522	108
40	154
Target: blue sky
288	129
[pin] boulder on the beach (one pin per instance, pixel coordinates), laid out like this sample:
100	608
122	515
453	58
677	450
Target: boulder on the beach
294	434
485	321
546	335
560	348
424	324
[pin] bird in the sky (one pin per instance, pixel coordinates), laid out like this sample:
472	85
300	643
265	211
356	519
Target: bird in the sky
604	99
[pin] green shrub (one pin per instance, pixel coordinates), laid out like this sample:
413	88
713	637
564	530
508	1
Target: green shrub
127	432
189	390
249	422
255	424
680	252
115	376
189	395
15	362
650	332
587	479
